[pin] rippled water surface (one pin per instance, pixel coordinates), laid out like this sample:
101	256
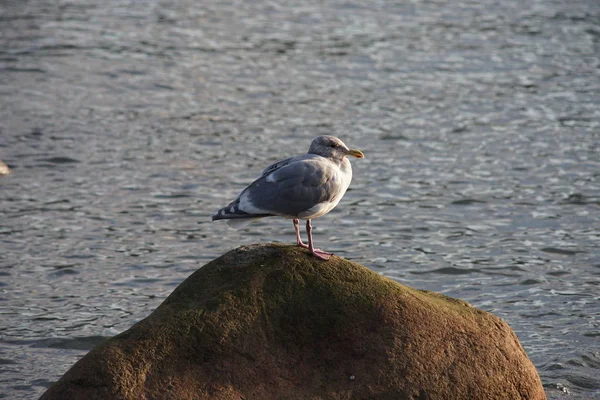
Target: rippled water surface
126	124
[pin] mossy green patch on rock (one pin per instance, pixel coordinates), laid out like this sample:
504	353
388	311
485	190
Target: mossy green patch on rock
272	322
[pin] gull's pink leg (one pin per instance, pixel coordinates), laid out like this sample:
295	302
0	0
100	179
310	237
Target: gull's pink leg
298	238
323	255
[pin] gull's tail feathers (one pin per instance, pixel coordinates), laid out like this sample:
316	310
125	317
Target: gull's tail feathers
235	217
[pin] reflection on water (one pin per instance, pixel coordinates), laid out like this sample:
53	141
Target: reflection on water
126	124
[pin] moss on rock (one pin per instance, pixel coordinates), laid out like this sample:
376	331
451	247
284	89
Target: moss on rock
272	322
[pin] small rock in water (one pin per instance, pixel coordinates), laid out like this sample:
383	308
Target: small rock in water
4	170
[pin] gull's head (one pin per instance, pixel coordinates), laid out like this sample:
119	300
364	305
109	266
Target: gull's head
332	147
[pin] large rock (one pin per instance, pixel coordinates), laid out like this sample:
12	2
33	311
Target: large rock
272	322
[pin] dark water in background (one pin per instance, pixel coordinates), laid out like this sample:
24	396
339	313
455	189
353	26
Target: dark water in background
127	124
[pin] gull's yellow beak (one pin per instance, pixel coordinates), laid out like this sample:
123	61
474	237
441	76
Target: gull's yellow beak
355	153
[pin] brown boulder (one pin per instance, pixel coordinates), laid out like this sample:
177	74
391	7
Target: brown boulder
272	322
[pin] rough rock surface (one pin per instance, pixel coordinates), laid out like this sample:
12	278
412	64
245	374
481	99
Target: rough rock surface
272	322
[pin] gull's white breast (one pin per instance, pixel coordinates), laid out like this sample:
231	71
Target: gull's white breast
342	177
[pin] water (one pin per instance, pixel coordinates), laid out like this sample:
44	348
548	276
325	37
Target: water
126	124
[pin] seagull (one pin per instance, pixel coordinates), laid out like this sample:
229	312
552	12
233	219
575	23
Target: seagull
303	187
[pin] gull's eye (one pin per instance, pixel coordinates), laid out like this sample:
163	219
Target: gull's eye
333	145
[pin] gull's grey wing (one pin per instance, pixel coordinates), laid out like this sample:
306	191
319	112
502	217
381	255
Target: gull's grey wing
247	209
296	186
277	165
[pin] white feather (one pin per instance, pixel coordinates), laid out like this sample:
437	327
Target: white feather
246	206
